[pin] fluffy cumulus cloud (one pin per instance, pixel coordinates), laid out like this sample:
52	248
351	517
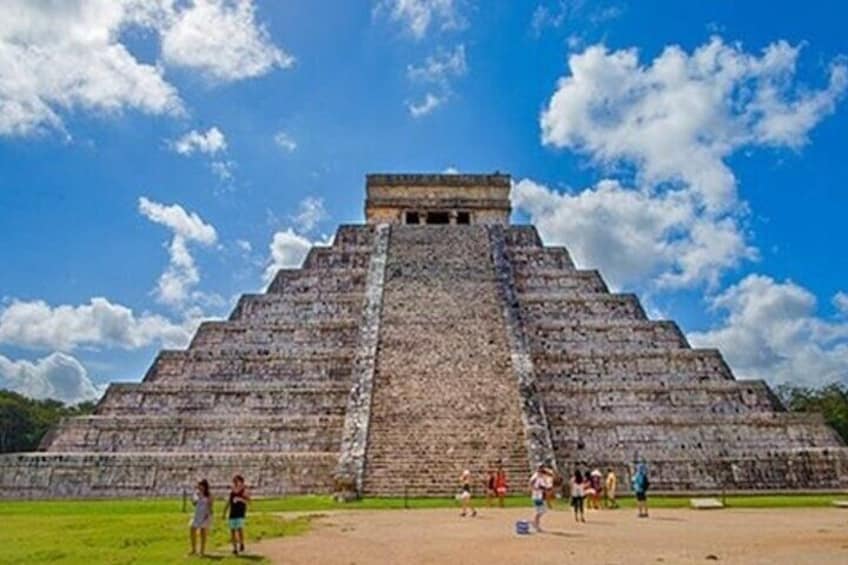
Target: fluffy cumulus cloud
177	282
61	56
674	121
209	142
419	16
840	300
222	39
770	331
288	250
58	376
678	118
36	324
635	235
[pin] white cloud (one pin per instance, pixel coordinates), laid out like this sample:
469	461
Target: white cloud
176	283
57	376
57	57
680	117
418	16
425	106
244	245
210	142
440	67
840	300
437	70
36	324
771	332
285	141
310	212
222	39
288	250
634	236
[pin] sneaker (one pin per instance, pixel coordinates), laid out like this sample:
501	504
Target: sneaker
241	547
473	513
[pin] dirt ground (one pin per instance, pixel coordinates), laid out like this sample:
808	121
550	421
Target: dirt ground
778	536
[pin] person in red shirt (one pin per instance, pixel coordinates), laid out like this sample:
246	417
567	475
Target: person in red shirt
500	484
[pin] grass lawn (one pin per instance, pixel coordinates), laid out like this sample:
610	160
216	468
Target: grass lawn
156	531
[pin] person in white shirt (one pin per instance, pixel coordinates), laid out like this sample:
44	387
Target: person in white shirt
540	482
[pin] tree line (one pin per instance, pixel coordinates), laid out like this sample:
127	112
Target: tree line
24	421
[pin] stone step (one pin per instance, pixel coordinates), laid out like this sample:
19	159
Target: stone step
545	308
558	282
522	237
222	398
528	258
283	308
196	433
92	475
222	334
324	257
333	280
614	335
632	366
171	366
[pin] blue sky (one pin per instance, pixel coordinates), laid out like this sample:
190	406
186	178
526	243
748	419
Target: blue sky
158	158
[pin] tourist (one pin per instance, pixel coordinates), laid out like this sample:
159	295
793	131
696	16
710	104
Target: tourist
465	494
237	506
597	489
500	484
588	490
202	520
640	487
610	484
540	482
577	495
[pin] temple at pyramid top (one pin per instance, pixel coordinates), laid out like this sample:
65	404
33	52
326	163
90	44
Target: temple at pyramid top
437	199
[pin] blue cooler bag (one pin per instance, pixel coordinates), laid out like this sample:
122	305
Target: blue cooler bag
522	527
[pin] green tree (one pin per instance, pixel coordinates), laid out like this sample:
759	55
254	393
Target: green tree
831	401
24	421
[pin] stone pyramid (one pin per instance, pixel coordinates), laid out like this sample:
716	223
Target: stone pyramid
434	338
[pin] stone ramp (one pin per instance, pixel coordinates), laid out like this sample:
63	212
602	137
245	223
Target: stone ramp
445	396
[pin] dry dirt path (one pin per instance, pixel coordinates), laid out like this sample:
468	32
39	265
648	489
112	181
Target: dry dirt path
775	537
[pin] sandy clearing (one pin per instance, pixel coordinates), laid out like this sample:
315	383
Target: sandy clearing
790	536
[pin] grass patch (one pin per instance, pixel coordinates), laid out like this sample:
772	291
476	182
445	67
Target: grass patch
119	531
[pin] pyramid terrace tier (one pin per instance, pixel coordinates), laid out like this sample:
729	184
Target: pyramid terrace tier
93	475
318	280
298	308
265	366
199	433
546	307
618	335
235	398
334	333
634	366
566	400
559	282
777	470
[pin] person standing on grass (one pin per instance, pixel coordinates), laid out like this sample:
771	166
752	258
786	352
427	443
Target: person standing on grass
597	489
237	506
465	494
640	488
577	496
202	519
610	484
539	482
500	484
489	484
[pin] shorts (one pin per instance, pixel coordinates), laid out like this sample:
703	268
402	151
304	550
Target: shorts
539	505
577	502
464	495
501	491
642	496
236	523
